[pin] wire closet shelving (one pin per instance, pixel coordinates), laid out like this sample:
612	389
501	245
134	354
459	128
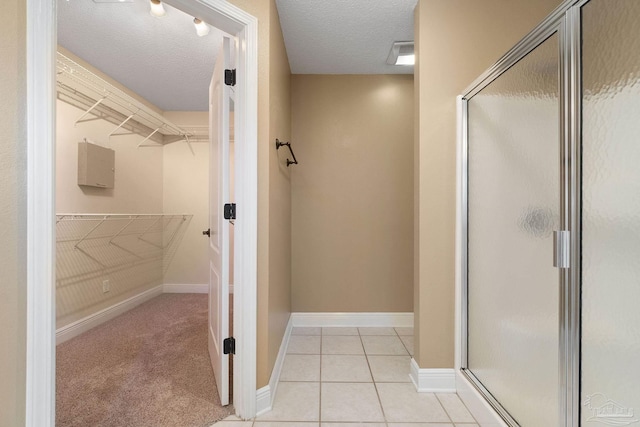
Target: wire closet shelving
100	99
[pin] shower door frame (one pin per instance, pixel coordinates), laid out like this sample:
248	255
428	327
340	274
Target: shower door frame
565	20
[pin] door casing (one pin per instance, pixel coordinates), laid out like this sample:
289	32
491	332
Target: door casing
40	54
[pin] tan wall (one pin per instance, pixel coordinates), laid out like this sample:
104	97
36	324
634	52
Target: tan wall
13	211
274	234
185	188
352	193
477	34
279	189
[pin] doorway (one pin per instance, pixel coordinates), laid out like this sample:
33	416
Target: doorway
41	94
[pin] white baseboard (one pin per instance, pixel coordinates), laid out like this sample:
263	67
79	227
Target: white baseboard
74	329
266	394
397	320
477	405
432	380
263	400
199	288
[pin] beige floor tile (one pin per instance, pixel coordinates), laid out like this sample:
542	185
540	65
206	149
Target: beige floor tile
420	425
339	331
466	425
305	331
342	345
301	367
381	345
408	343
402	403
404	331
390	369
345	368
377	331
295	402
455	408
352	425
301	344
350	402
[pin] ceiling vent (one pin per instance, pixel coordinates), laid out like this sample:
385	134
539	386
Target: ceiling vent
402	53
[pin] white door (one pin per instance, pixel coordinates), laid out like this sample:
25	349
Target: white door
219	228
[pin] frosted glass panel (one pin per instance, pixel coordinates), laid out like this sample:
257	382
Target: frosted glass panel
514	198
611	213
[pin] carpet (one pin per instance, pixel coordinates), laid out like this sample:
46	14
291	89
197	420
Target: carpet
147	367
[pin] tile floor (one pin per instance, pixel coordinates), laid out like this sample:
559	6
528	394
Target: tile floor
354	377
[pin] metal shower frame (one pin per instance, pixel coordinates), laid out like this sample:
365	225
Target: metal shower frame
565	21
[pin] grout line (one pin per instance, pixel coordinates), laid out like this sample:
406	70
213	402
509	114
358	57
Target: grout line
443	408
384	416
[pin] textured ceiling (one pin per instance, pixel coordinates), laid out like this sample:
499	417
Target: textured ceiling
161	59
164	61
345	36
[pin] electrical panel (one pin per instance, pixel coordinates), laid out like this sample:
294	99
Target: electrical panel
96	165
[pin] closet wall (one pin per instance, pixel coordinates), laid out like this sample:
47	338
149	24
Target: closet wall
352	194
148	180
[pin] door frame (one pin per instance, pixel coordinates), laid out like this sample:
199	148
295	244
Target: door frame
40	244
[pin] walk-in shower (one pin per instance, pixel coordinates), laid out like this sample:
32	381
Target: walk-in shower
550	222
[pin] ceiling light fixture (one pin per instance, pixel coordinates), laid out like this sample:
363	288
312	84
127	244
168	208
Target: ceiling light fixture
157	9
201	27
402	53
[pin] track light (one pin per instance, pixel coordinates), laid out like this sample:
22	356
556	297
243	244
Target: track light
201	27
157	9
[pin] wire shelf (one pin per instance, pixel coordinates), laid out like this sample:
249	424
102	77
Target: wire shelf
89	246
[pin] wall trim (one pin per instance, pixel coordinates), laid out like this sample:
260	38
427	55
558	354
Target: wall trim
175	288
477	405
266	394
78	327
432	380
397	320
263	400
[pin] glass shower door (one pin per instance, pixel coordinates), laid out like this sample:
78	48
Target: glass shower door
610	373
513	209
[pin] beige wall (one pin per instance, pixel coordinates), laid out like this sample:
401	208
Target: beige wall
352	193
13	211
274	197
185	189
137	190
456	40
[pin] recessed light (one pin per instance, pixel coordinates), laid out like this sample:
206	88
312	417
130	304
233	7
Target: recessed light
401	54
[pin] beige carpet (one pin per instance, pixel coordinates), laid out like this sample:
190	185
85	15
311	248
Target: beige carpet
147	367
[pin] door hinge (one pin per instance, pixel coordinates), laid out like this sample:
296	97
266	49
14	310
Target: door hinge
230	77
229	346
562	249
230	211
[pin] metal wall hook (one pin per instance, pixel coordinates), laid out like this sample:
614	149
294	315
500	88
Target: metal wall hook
288	144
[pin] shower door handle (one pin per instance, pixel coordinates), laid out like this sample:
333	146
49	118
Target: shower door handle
562	249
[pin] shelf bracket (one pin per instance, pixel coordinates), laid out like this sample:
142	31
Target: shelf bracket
113	132
98	102
147	138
